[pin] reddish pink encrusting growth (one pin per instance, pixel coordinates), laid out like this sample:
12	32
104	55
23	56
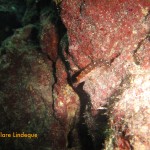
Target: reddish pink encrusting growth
49	41
100	30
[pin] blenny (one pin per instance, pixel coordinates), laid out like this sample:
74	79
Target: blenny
81	77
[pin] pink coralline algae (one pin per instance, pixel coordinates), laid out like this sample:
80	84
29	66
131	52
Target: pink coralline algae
66	107
49	40
87	88
65	99
102	30
116	32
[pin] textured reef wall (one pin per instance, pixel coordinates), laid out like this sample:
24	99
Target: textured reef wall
109	51
77	73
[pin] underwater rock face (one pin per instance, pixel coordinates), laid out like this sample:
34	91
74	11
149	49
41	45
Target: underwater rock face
108	43
102	29
92	91
66	107
131	113
49	40
25	92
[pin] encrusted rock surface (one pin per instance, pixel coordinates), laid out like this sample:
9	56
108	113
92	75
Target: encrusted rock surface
108	43
104	31
88	88
131	113
49	40
25	92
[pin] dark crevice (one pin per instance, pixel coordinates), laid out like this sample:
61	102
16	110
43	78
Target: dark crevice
90	129
136	60
82	128
84	136
70	139
34	36
55	81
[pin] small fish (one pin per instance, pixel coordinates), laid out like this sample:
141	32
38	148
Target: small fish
82	75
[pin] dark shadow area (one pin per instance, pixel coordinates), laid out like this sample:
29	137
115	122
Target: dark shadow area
91	128
101	126
84	136
8	23
11	13
53	11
